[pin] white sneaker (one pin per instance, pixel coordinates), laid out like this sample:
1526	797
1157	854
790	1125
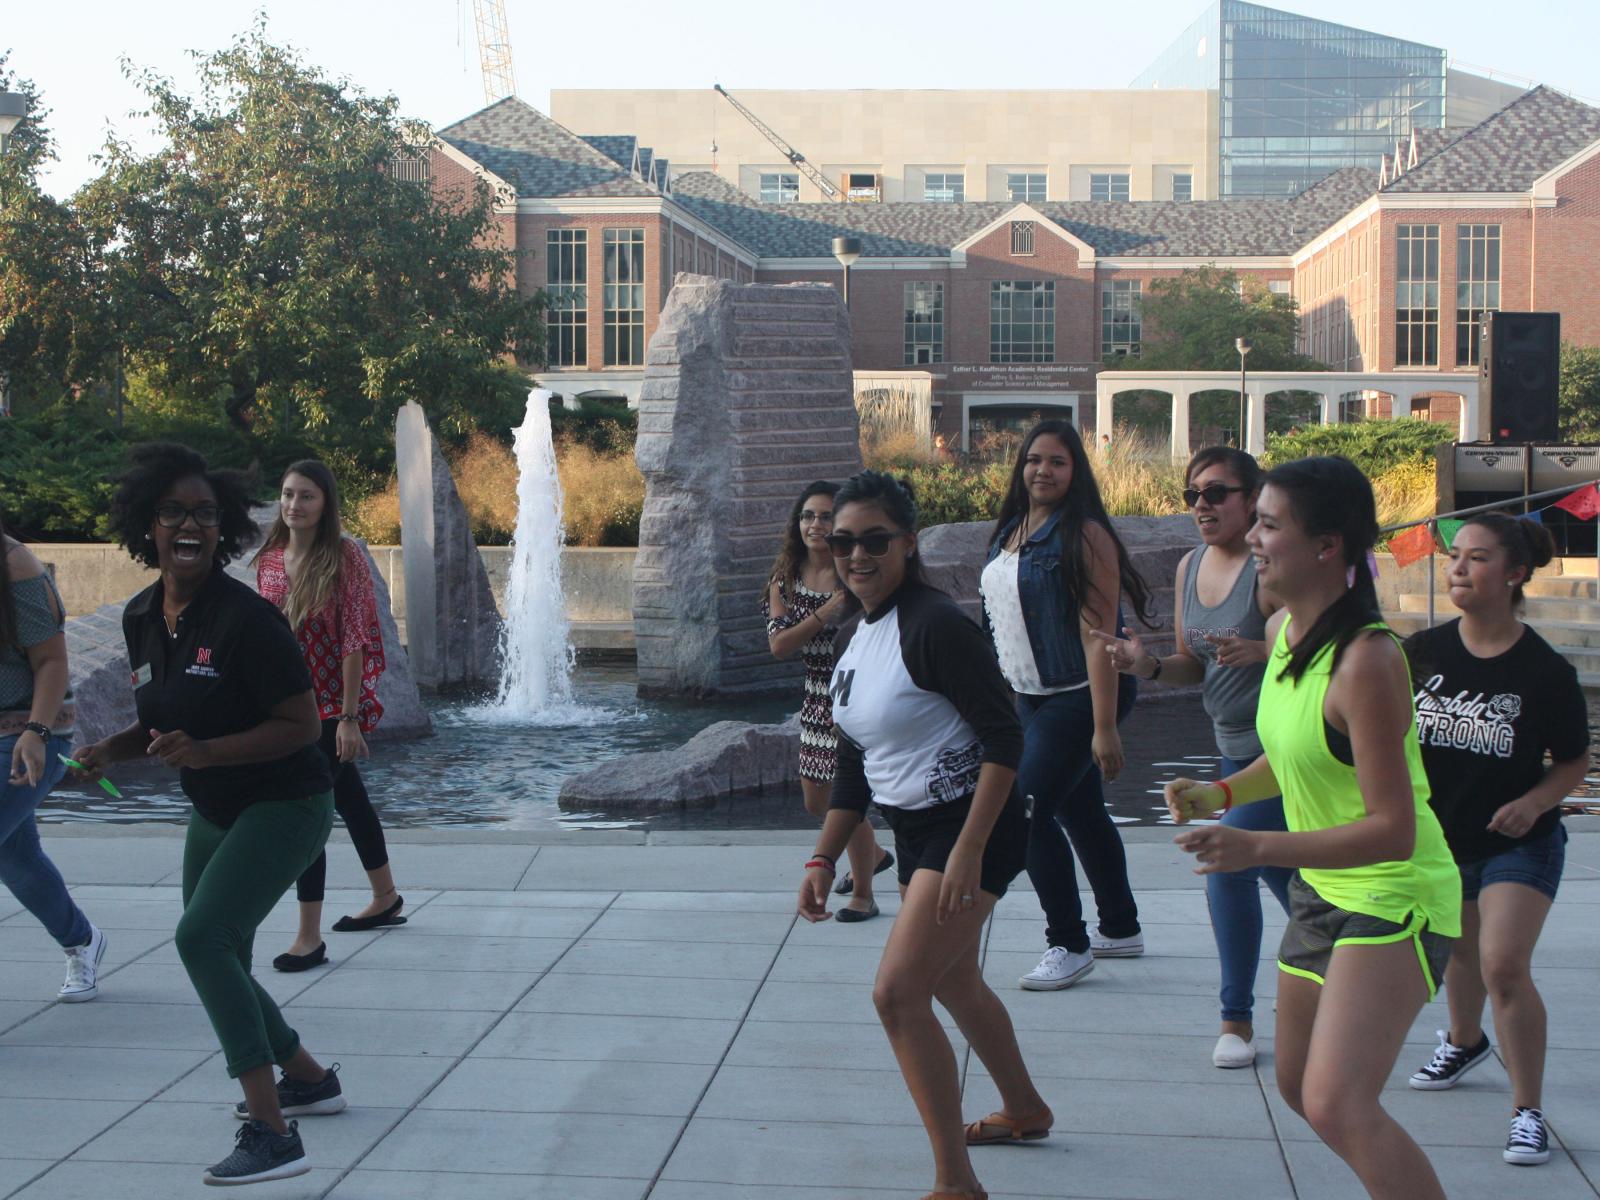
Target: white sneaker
1232	1052
1059	968
83	968
1102	946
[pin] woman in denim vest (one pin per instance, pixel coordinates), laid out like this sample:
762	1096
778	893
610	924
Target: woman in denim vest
1055	573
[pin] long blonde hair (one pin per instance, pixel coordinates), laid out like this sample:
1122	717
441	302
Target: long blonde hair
317	581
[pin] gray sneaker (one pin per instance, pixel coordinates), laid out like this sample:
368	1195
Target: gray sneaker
83	969
260	1154
296	1099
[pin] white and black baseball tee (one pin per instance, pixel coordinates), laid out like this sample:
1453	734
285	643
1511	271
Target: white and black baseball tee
921	704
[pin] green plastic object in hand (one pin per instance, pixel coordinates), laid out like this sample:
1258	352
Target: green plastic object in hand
110	788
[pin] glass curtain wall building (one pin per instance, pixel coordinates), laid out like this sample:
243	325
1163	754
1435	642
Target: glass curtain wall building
1300	98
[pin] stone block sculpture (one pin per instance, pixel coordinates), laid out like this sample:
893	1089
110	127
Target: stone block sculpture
452	625
747	397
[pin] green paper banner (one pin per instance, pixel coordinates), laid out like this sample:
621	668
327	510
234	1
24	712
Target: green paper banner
1448	530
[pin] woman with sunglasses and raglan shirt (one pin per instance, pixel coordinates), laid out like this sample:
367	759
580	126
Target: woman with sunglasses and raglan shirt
927	732
223	694
1220	613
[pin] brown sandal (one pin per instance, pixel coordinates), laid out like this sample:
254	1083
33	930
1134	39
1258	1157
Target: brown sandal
1027	1129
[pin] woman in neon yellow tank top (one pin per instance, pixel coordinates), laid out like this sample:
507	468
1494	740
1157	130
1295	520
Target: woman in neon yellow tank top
1376	898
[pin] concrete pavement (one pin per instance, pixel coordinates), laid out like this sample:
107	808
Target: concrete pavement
612	1016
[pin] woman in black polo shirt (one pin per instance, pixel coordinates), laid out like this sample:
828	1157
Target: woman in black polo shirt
223	694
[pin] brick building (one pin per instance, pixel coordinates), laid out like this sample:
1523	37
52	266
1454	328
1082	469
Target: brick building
1000	309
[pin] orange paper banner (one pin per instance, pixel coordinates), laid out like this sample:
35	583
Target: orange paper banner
1411	544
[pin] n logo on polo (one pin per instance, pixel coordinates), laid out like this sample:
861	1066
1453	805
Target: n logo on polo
840	691
202	656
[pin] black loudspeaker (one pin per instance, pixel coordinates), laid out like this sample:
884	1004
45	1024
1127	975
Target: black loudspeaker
1521	356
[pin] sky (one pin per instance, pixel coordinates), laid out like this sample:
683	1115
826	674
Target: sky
425	51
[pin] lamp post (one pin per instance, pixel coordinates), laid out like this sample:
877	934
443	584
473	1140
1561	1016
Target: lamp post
846	250
13	108
1243	345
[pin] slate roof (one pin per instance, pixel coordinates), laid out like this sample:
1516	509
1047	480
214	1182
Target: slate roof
538	157
1508	151
1139	229
618	147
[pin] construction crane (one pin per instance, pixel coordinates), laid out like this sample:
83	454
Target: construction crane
494	50
788	151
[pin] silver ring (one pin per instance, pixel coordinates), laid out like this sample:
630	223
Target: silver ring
967	898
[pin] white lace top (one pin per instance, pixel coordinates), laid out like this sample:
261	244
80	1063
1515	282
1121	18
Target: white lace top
998	585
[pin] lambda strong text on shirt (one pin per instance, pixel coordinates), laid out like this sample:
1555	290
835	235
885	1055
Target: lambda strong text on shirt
1485	725
233	660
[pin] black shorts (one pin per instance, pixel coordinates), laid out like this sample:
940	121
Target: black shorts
924	837
1316	928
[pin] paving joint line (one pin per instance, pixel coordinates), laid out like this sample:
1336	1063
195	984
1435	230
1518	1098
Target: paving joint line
462	1057
716	1068
537	850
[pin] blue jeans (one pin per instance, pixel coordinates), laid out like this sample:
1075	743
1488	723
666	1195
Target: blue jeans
1058	773
1235	902
24	867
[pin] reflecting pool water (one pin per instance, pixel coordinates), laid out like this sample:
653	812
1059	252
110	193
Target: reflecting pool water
477	772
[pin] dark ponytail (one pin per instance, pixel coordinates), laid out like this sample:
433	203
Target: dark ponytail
1331	495
1526	543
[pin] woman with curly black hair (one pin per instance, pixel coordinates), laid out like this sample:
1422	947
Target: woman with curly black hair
224	695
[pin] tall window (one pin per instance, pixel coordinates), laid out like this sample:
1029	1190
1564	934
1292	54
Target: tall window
949	187
1119	317
1416	296
1108	185
567	284
780	187
1183	187
1027	186
1022	322
1477	285
624	310
1022	237
924	323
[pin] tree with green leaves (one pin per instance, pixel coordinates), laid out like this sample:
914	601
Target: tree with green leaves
1580	393
267	261
1189	322
52	327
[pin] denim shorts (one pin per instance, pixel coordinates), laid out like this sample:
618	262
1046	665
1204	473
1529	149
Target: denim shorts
1536	864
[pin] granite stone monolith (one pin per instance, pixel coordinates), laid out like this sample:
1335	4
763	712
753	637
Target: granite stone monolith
452	625
747	397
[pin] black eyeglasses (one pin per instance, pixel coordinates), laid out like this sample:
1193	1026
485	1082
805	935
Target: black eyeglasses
172	516
1213	494
875	544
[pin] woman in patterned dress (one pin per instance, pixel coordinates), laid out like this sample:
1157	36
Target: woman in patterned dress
308	568
804	604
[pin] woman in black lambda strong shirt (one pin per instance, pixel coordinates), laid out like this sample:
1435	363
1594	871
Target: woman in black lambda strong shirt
928	731
224	695
1492	698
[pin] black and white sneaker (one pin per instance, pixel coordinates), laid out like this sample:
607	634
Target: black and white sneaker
1529	1143
260	1154
1449	1063
296	1099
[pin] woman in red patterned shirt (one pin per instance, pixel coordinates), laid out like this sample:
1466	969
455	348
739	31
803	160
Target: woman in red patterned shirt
308	568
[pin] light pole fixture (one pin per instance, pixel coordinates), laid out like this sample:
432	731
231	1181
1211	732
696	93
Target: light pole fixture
846	250
13	107
1243	345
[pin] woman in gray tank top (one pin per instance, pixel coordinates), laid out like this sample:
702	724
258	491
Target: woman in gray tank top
1220	617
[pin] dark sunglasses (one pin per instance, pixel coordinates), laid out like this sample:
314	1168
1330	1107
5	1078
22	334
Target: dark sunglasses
172	516
843	545
1213	494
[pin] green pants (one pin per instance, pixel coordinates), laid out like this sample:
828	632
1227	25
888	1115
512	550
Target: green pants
231	880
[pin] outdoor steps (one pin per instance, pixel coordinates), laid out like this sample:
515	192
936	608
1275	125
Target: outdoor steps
1563	609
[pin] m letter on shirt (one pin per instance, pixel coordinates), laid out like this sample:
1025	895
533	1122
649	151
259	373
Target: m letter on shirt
840	691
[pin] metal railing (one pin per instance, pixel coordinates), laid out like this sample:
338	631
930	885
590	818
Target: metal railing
1523	500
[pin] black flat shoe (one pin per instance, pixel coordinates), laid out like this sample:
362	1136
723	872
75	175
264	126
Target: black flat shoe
851	915
302	962
847	885
389	916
